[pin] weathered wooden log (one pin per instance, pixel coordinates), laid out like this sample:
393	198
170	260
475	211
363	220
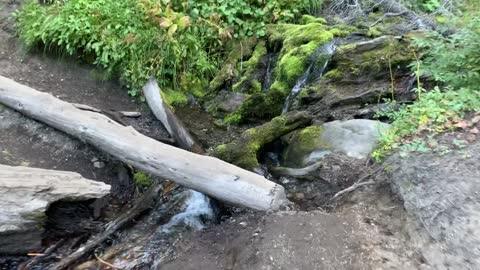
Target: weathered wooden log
307	173
243	152
174	126
209	175
26	193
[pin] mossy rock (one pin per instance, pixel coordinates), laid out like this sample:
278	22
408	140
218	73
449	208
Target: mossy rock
372	59
243	152
354	138
239	50
303	143
248	83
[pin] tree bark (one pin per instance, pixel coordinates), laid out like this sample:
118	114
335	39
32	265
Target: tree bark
209	175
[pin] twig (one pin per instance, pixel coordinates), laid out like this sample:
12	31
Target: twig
106	263
93	109
358	184
140	206
387	15
352	188
41	256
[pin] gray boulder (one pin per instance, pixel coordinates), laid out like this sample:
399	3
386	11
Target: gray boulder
355	138
443	194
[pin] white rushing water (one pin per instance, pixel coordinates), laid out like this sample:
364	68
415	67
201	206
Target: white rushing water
325	51
197	209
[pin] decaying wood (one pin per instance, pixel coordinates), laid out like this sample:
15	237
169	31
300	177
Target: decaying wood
164	113
243	151
306	173
144	203
395	7
31	263
25	194
205	174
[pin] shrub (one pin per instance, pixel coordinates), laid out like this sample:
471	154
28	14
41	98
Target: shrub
171	40
454	62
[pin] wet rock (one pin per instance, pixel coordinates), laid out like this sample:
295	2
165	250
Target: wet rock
228	102
354	138
26	193
443	194
359	75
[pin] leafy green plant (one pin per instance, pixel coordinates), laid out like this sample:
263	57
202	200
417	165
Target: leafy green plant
434	113
136	39
179	42
453	62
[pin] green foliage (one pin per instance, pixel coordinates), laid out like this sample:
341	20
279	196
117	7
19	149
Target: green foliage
181	43
453	60
433	113
137	39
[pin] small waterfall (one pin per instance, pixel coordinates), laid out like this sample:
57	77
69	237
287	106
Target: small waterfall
197	210
268	74
313	72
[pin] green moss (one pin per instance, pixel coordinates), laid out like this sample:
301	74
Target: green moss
299	44
248	68
302	143
233	118
306	19
174	98
243	152
256	86
142	180
374	32
229	70
334	75
373	60
342	30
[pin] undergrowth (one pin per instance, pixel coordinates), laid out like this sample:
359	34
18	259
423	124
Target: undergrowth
454	63
181	43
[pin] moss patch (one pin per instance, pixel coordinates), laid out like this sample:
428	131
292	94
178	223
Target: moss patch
372	59
243	152
142	180
229	70
302	143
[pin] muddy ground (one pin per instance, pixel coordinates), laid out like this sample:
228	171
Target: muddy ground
366	231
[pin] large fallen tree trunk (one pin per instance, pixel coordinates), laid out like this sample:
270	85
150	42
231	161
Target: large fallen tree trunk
209	175
174	126
26	193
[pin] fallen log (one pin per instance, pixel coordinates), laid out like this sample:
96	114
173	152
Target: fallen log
26	193
243	152
205	174
164	113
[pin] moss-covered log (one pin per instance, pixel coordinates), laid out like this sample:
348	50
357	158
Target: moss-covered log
243	152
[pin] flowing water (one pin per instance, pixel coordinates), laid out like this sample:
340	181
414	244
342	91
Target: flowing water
318	64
